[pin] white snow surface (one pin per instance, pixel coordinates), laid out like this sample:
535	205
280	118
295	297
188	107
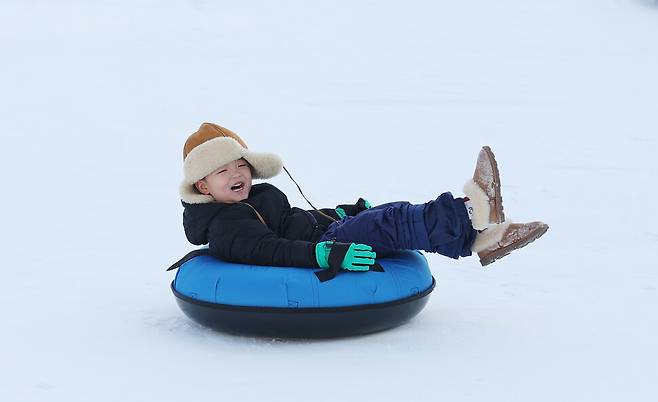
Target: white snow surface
377	99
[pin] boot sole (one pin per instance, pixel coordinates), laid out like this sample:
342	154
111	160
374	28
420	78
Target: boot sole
503	251
499	215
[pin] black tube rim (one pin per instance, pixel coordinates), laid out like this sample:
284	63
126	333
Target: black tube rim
304	310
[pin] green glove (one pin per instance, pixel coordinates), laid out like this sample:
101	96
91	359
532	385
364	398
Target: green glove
352	209
350	256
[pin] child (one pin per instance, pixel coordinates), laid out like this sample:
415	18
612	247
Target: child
256	224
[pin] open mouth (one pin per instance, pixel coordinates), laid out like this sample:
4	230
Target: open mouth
238	187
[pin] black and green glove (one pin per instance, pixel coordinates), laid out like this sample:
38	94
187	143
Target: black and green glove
348	256
344	210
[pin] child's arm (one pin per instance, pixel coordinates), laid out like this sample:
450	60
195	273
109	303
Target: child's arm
342	210
248	241
353	209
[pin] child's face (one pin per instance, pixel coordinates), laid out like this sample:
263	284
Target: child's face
219	182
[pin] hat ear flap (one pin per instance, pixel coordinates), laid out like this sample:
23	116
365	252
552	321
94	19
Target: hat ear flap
266	165
189	194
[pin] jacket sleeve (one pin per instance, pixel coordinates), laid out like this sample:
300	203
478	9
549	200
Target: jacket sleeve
354	209
248	241
329	211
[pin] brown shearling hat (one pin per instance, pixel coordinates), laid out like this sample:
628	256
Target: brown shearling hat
213	146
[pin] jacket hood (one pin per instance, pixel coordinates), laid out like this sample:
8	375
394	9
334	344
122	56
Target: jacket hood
197	219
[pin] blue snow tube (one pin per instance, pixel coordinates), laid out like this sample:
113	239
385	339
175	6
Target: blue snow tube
290	302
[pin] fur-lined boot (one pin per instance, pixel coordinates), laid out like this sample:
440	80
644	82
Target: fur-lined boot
499	240
485	204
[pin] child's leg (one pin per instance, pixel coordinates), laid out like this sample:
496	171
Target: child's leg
441	226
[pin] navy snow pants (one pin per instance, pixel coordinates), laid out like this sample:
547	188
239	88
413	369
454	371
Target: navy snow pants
439	226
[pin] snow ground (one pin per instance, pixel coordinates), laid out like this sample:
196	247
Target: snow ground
394	100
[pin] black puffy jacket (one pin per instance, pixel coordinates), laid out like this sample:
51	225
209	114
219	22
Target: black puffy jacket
235	233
